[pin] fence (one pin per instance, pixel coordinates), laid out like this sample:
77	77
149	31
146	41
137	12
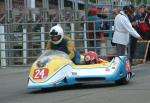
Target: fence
22	47
22	40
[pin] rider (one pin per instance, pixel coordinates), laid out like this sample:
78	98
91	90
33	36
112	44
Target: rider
91	57
59	41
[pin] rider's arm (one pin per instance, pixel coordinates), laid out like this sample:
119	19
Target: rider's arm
48	46
70	47
99	61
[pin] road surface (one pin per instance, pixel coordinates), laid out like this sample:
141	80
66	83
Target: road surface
13	89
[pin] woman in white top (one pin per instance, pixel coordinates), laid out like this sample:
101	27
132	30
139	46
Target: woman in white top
122	29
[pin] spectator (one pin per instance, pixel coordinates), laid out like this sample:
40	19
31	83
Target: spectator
105	16
148	11
143	22
133	41
94	25
115	12
122	29
59	41
148	20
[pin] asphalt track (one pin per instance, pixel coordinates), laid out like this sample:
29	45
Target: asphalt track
13	89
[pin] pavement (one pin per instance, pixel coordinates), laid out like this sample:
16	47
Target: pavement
7	70
139	66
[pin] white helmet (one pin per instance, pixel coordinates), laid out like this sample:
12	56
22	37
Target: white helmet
56	34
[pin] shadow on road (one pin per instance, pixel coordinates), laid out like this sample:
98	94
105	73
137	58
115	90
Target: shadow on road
73	87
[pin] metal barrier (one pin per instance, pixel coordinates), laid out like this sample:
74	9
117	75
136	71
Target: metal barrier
22	47
21	42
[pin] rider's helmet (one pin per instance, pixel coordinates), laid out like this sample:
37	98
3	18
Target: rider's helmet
56	34
90	57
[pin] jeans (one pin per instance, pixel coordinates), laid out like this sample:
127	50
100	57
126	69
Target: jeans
120	49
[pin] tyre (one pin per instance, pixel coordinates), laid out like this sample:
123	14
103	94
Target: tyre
124	80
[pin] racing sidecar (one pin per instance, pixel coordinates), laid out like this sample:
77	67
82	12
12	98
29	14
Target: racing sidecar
54	68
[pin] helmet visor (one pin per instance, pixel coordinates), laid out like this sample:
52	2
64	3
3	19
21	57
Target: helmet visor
55	37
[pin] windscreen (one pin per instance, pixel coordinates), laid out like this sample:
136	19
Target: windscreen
50	53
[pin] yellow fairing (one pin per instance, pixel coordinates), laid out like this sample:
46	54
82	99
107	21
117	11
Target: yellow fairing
53	66
51	61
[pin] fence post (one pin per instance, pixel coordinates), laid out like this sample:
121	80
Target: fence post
72	32
85	38
42	39
2	47
24	46
31	6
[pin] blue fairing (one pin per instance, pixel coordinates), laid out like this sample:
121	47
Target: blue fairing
118	74
121	68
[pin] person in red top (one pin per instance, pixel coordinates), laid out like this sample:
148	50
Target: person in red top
142	18
93	30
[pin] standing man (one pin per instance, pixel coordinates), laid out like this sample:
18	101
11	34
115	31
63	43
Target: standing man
122	30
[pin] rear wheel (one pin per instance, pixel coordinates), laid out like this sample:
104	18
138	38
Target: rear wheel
124	80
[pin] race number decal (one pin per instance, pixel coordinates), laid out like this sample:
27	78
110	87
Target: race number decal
40	73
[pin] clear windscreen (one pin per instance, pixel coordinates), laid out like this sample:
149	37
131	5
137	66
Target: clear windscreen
50	53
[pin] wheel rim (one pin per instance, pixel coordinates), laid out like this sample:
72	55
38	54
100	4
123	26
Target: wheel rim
128	66
128	77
